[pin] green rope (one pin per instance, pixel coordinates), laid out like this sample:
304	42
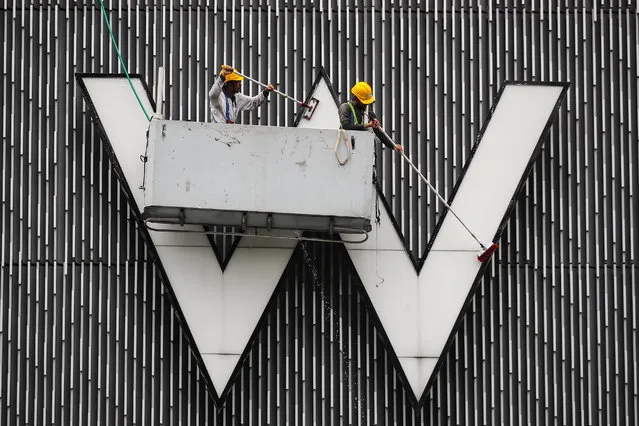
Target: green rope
106	19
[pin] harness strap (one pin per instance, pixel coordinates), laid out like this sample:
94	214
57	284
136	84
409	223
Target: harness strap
355	120
228	110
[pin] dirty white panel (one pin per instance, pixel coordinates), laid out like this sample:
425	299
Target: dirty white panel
273	170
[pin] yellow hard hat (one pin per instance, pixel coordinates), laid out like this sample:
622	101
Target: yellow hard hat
233	77
363	92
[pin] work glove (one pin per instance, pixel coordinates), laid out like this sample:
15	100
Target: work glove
373	123
226	70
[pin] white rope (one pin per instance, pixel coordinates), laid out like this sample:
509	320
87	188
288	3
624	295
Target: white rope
349	149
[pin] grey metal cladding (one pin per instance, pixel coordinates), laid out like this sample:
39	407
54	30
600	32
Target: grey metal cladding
88	332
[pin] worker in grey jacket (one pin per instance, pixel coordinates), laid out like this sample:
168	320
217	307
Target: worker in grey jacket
226	100
352	113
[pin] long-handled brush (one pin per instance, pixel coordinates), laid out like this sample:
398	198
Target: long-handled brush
487	250
310	106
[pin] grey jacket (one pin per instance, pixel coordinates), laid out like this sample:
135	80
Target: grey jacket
224	108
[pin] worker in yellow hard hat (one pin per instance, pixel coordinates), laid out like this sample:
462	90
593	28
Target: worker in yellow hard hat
226	100
353	115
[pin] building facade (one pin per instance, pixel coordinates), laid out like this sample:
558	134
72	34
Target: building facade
91	330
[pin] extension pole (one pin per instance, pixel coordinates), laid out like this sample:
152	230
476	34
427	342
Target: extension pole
274	90
487	251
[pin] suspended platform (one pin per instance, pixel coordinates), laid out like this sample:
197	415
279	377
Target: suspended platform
258	177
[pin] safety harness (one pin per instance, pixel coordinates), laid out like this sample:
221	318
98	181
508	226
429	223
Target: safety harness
228	110
355	120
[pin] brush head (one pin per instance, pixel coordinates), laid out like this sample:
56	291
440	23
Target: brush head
311	106
485	255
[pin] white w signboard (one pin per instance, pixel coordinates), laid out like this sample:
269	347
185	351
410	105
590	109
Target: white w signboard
417	310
